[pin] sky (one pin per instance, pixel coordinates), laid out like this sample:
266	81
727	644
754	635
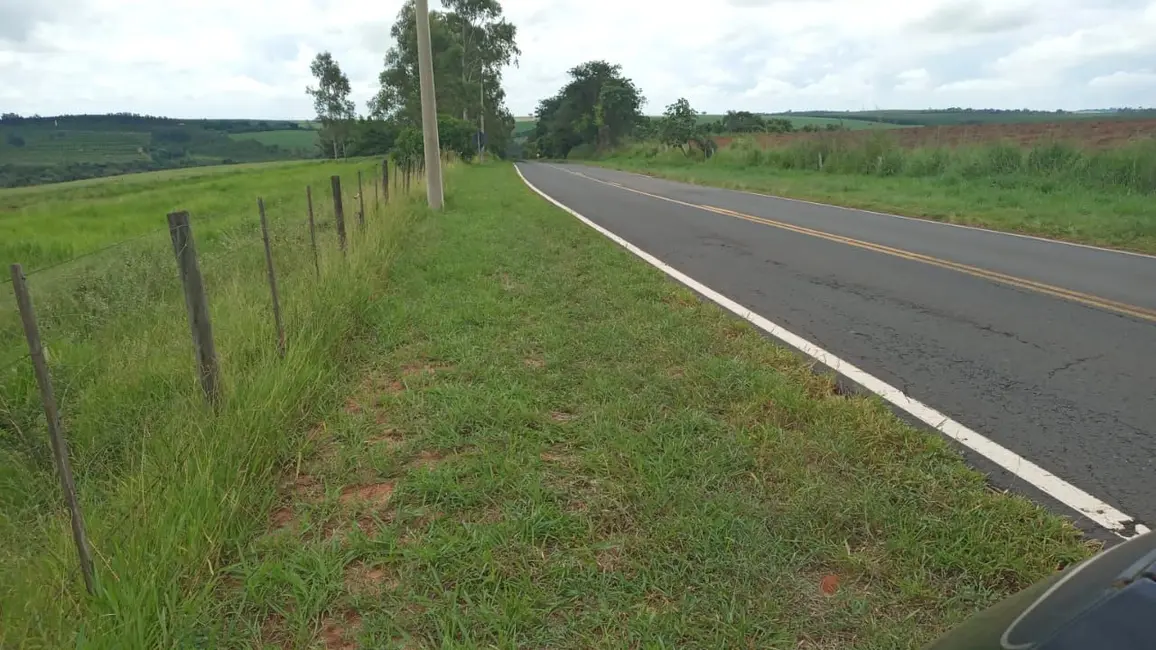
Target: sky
250	58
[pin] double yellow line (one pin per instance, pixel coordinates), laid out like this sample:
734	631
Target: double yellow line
1030	285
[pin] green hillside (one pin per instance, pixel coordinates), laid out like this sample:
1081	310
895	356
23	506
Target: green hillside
292	139
35	150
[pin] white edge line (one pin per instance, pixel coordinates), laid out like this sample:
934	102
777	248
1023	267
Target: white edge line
1043	480
926	220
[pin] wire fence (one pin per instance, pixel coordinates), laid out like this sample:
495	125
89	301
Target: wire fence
79	321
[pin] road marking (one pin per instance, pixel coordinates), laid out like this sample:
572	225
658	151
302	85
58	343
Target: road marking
1089	300
1071	496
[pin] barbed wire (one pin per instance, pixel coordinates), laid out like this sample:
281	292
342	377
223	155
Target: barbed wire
8	364
94	252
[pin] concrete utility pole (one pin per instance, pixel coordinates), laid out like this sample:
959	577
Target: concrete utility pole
429	111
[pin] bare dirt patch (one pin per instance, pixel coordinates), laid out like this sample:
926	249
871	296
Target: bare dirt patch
389	438
534	362
281	518
369	493
340	632
424	368
562	416
362	579
427	460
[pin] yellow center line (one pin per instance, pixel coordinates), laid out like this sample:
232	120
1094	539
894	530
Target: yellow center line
1090	300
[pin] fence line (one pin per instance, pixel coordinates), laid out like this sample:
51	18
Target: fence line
196	300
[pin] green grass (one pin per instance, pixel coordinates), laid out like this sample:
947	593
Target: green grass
288	139
44	225
1052	190
557	447
168	487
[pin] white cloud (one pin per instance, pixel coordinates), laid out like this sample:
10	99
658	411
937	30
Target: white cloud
1123	79
224	58
914	80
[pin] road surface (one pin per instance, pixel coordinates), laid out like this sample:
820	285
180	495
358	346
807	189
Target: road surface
1042	347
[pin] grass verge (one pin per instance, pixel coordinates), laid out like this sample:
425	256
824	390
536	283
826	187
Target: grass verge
1059	210
168	486
557	447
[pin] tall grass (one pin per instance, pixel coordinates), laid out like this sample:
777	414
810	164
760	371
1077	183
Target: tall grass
1130	169
171	488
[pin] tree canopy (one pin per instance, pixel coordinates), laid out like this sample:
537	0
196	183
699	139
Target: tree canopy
597	108
471	42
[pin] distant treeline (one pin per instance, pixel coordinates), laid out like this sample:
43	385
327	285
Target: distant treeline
138	122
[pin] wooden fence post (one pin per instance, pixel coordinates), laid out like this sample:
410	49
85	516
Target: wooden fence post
376	201
312	229
338	211
272	279
385	178
198	306
55	432
360	202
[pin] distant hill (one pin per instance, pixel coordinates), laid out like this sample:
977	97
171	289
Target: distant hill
36	150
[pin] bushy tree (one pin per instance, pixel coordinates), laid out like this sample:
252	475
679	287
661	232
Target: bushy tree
598	107
679	124
743	122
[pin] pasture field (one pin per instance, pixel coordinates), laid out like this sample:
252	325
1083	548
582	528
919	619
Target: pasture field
48	147
493	427
292	139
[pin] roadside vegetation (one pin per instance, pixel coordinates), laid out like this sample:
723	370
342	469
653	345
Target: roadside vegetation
492	427
1079	180
1052	189
169	487
555	446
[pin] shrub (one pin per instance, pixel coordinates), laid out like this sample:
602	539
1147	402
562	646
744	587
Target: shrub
584	151
1052	157
1003	158
927	162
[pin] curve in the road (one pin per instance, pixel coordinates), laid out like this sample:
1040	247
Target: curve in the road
1088	505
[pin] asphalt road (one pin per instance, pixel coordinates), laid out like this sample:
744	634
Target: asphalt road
1043	347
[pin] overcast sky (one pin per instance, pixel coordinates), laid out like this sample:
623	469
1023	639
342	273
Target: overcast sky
250	58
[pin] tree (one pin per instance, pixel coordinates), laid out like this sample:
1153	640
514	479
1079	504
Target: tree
598	107
486	42
331	100
469	43
679	124
743	122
